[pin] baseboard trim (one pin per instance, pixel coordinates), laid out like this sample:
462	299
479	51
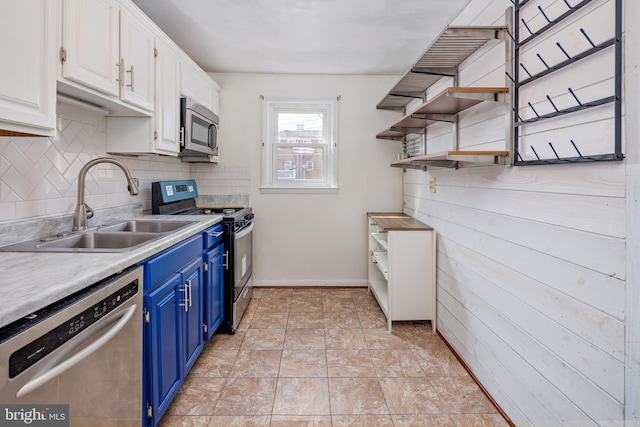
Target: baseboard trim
484	390
309	283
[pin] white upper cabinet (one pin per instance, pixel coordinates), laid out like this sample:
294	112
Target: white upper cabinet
105	48
196	84
137	45
90	38
28	83
167	116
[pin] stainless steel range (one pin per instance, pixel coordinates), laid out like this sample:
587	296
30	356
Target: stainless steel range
179	198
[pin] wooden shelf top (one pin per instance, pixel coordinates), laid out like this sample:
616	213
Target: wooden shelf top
397	221
451	158
441	107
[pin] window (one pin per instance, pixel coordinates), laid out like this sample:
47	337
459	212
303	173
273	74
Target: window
300	150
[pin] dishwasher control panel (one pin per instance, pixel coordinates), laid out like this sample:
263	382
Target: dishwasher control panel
28	355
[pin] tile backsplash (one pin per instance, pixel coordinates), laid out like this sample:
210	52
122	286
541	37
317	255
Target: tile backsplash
39	176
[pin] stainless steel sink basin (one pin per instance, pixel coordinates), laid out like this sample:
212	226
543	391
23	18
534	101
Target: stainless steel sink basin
100	241
147	226
118	237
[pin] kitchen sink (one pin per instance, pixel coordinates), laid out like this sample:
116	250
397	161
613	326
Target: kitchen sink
121	236
147	226
100	241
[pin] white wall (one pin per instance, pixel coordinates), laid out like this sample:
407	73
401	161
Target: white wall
531	265
313	239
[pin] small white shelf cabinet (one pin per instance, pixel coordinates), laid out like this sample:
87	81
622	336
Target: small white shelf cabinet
402	263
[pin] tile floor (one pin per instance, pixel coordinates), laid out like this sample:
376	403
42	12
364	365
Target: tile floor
323	357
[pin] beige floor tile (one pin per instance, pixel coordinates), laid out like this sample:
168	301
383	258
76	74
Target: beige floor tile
338	304
372	319
461	395
305	304
246	396
422	420
309	319
307	292
197	396
269	320
240	421
215	363
302	396
300	421
438	360
184	421
479	420
339	320
351	396
381	339
256	363
226	341
344	339
410	396
264	339
304	339
362	421
350	363
303	363
396	363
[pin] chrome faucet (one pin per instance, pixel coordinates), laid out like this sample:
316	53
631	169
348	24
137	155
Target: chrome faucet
83	211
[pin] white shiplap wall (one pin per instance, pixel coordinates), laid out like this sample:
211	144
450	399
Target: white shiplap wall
531	260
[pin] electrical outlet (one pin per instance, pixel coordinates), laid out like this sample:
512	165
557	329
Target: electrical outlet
432	185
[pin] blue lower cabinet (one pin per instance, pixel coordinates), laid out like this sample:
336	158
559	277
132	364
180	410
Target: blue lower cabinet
163	329
214	290
193	312
173	330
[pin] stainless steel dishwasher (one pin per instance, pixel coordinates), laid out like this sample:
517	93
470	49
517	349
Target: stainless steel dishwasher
84	351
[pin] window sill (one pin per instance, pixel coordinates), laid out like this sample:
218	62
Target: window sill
299	190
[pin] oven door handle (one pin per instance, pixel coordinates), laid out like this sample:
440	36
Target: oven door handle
244	232
39	381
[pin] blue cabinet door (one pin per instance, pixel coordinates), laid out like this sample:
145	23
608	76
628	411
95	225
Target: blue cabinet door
164	344
193	339
214	290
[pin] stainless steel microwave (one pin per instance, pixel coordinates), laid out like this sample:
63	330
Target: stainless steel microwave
198	132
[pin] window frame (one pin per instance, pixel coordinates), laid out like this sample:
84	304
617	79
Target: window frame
272	106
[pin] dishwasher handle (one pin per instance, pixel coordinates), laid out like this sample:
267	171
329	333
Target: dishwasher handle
40	380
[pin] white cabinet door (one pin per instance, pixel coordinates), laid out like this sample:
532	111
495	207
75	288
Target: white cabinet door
90	38
28	85
195	84
167	100
137	45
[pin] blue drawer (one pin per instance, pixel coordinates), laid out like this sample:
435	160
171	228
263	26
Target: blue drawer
212	236
171	260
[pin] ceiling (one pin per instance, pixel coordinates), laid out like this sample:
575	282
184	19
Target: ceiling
370	37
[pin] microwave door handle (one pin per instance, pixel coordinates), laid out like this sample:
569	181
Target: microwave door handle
212	125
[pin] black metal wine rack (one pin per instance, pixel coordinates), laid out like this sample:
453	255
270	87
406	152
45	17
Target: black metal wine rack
522	77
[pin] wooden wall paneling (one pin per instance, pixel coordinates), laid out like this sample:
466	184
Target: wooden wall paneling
570	392
598	368
584	179
601	292
597	252
602	330
485	350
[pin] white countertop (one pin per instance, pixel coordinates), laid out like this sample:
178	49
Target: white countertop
30	281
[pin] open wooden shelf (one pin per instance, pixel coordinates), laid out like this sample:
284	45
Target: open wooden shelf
453	46
443	107
452	159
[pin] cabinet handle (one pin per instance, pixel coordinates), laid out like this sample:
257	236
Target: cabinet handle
120	66
181	136
225	256
185	297
190	298
131	71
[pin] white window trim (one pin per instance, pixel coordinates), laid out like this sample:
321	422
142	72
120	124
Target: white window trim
269	183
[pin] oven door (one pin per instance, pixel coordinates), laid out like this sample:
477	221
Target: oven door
242	258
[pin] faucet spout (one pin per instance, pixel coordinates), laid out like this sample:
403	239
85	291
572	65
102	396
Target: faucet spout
83	210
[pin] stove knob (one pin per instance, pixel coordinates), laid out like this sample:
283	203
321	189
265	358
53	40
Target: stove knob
248	216
239	223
